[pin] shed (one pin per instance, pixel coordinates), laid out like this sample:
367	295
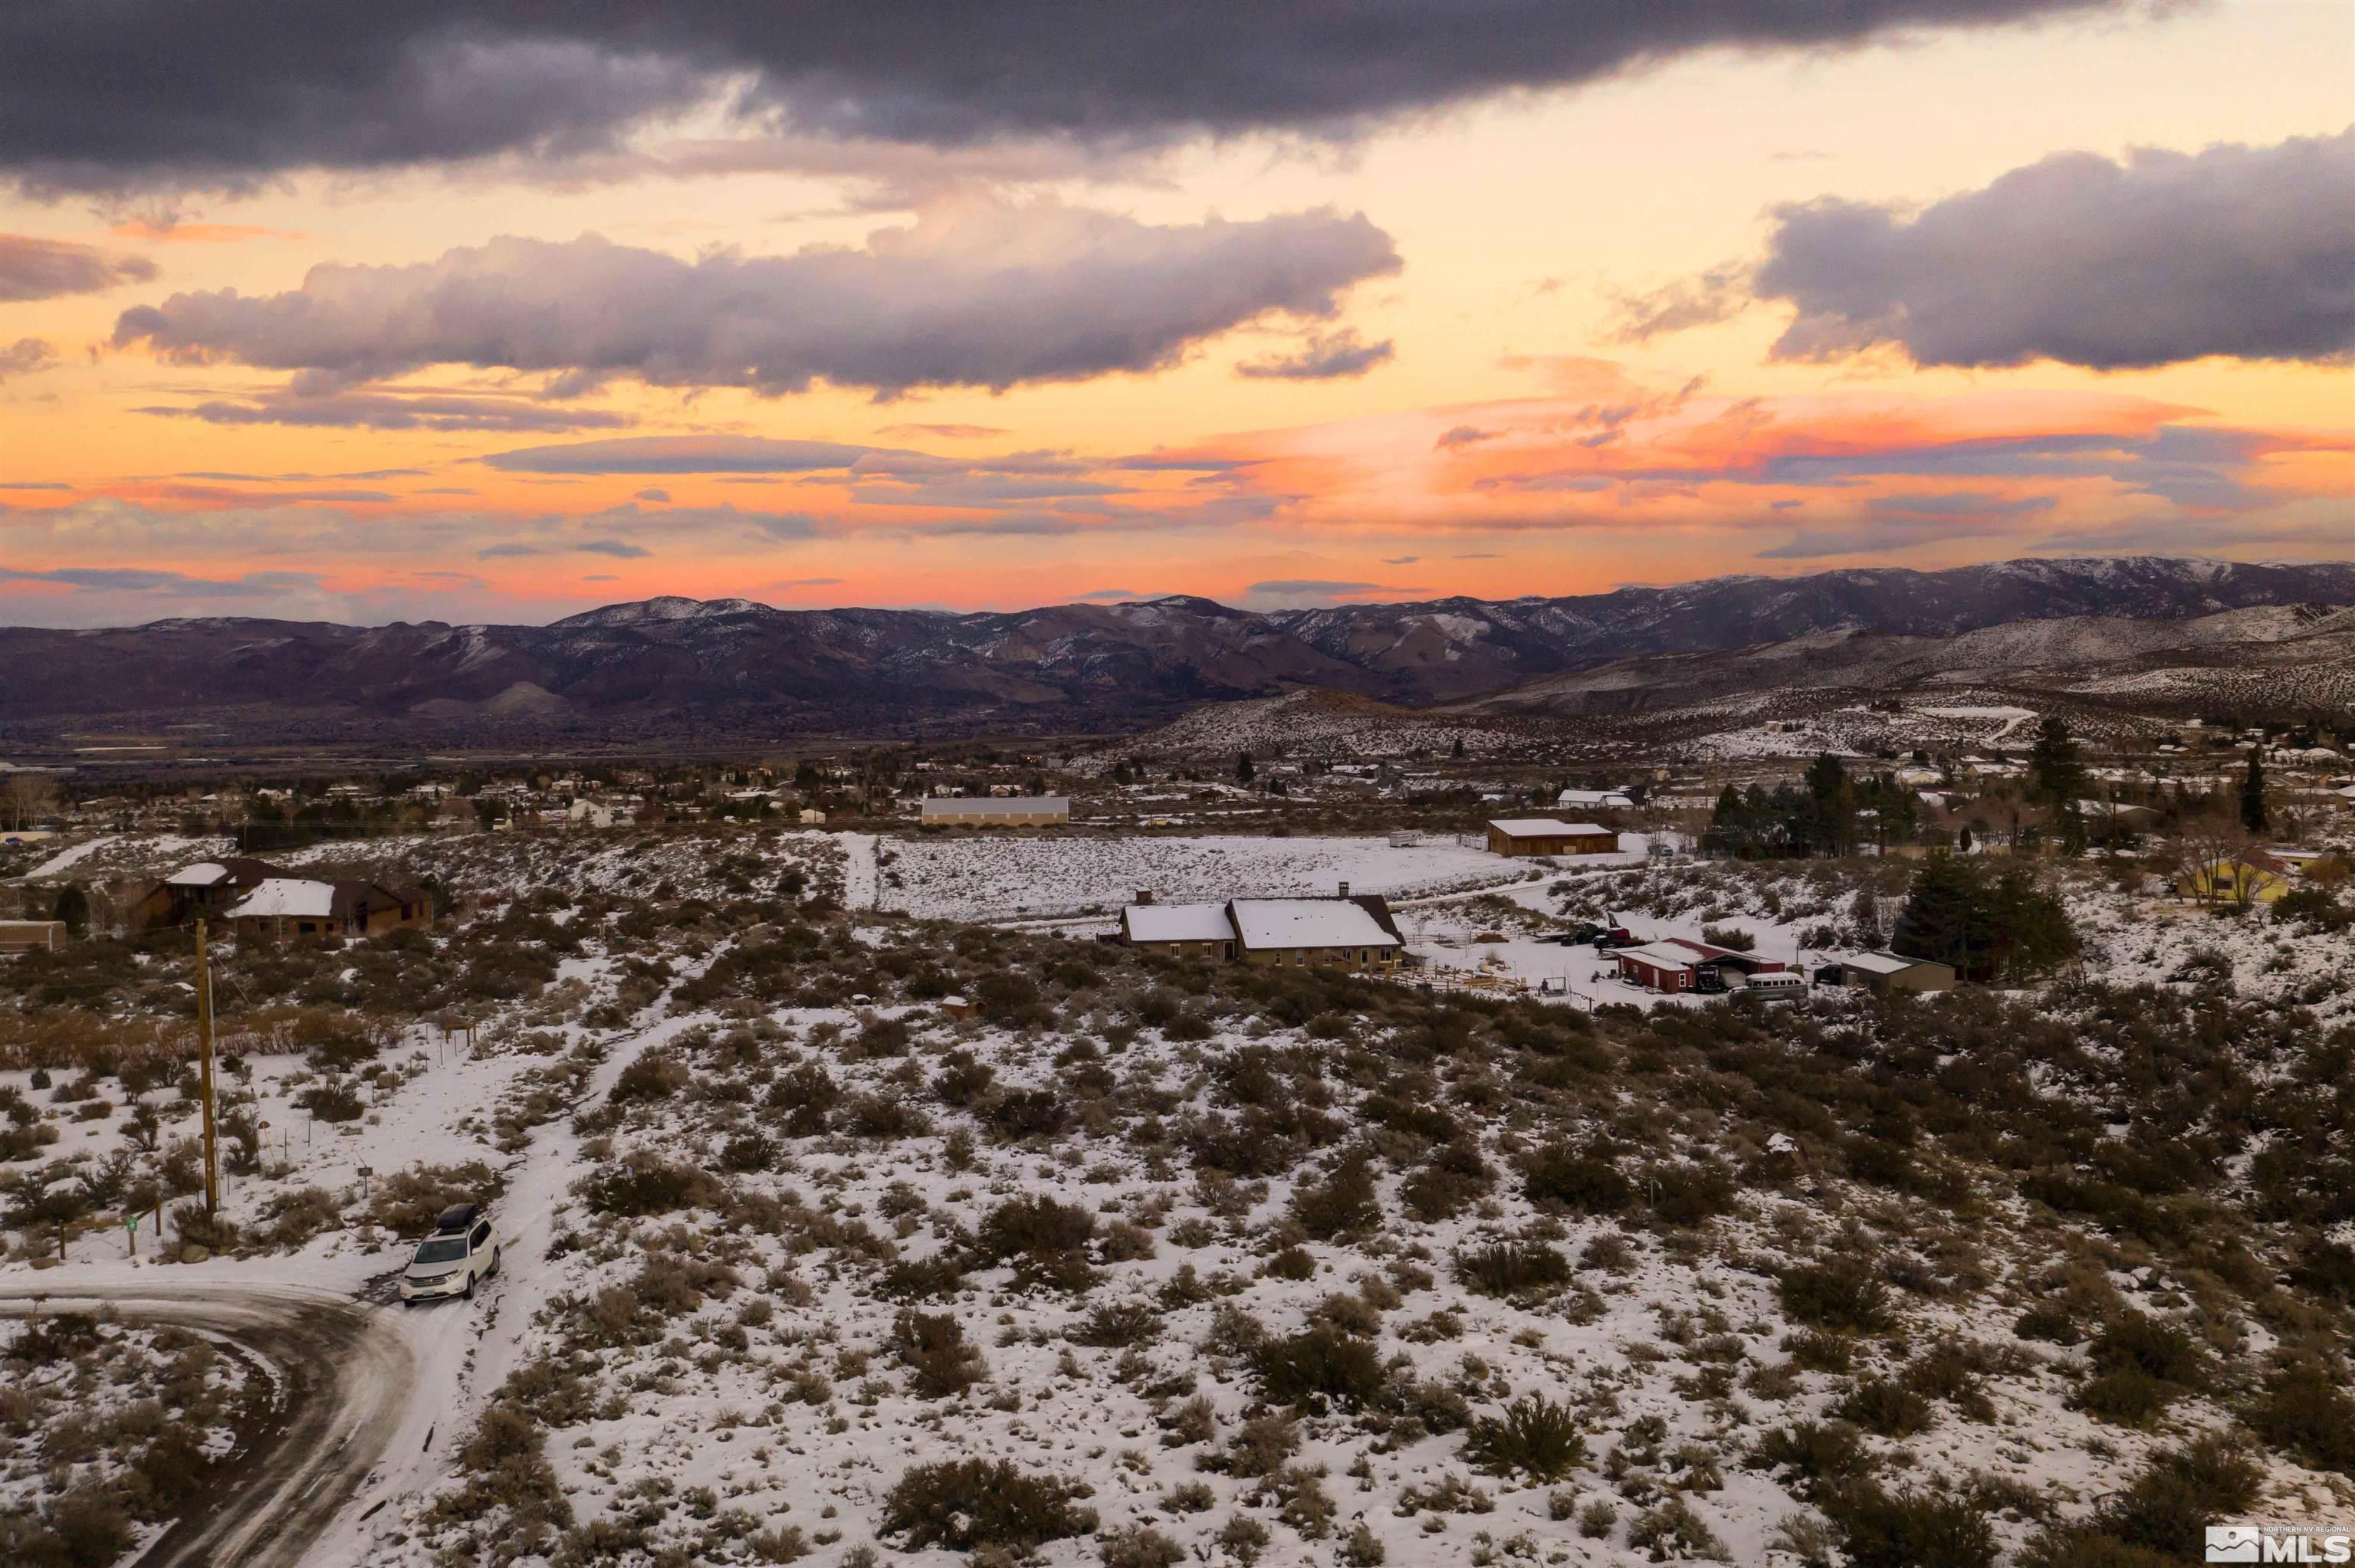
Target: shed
1679	964
1549	836
32	936
1001	810
1882	972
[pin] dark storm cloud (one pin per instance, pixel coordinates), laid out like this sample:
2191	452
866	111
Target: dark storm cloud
230	92
982	294
2247	252
1324	356
34	269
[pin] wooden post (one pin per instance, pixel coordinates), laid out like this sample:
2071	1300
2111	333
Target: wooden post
205	1079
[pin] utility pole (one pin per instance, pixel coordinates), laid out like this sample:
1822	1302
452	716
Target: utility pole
204	1060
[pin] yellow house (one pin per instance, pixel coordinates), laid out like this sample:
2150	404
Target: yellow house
2258	879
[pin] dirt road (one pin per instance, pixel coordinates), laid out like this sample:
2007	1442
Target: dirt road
342	1376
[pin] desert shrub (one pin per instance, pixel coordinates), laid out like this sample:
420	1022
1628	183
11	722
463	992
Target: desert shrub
1585	1183
2140	1366
1691	1195
333	1101
1885	1407
1673	1529
407	1203
748	1151
650	1077
648	1186
1512	1268
1317	1365
934	1348
1341	1205
919	1279
2050	1322
2161	1514
1139	1546
2308	1412
1842	1295
506	1463
1819	1454
1045	1241
1006	996
1732	938
1906	1530
1116	1325
293	1218
962	1079
883	1117
1029	1113
1456	1176
967	1504
1534	1437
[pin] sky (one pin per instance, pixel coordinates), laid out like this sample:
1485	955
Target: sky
466	312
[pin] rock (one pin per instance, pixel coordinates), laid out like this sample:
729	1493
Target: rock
192	1252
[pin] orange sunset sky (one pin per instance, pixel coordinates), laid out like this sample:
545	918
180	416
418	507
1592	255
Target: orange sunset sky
1538	316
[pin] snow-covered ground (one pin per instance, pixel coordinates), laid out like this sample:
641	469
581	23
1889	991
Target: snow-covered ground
984	878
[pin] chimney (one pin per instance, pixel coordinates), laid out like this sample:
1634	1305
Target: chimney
1345	890
1145	895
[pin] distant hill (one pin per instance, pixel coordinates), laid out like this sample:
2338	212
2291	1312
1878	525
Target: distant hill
685	667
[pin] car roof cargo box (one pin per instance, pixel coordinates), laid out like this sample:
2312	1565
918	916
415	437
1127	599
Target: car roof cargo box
457	1217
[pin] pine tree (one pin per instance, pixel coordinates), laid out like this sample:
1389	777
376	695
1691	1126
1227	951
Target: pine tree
1243	769
2253	792
1834	802
2055	776
73	908
1938	923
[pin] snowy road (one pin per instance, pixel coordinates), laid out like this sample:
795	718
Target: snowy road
343	1378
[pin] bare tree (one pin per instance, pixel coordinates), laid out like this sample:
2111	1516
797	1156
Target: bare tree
29	795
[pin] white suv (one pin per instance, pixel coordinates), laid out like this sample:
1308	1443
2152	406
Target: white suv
463	1250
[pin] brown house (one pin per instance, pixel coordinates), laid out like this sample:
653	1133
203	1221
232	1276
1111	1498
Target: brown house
200	891
303	906
1353	933
32	936
1547	836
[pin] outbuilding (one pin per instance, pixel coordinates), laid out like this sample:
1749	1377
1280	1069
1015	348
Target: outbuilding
1882	972
996	811
1549	836
1678	964
32	936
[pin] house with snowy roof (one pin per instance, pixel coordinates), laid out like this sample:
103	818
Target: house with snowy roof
1549	836
200	891
309	907
1353	933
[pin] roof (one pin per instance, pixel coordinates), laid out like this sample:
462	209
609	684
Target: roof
1265	923
1882	963
995	805
1665	955
1594	798
204	873
1544	827
1177	923
287	895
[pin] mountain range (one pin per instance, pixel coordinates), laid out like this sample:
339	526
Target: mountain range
713	669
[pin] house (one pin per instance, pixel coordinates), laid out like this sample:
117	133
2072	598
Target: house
200	891
1882	972
305	906
1679	964
32	936
589	814
1004	811
1355	933
1191	930
1545	836
2255	877
2111	821
812	817
1595	799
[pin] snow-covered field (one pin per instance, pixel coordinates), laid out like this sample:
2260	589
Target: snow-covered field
986	879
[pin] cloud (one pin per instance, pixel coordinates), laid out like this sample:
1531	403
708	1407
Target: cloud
26	356
34	484
2235	251
651	495
946	432
141	580
1400	560
34	269
388	410
1107	596
1716	295
1458	437
1318	587
169	231
979	293
1324	356
438	82
1958	503
807	582
682	454
619	549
